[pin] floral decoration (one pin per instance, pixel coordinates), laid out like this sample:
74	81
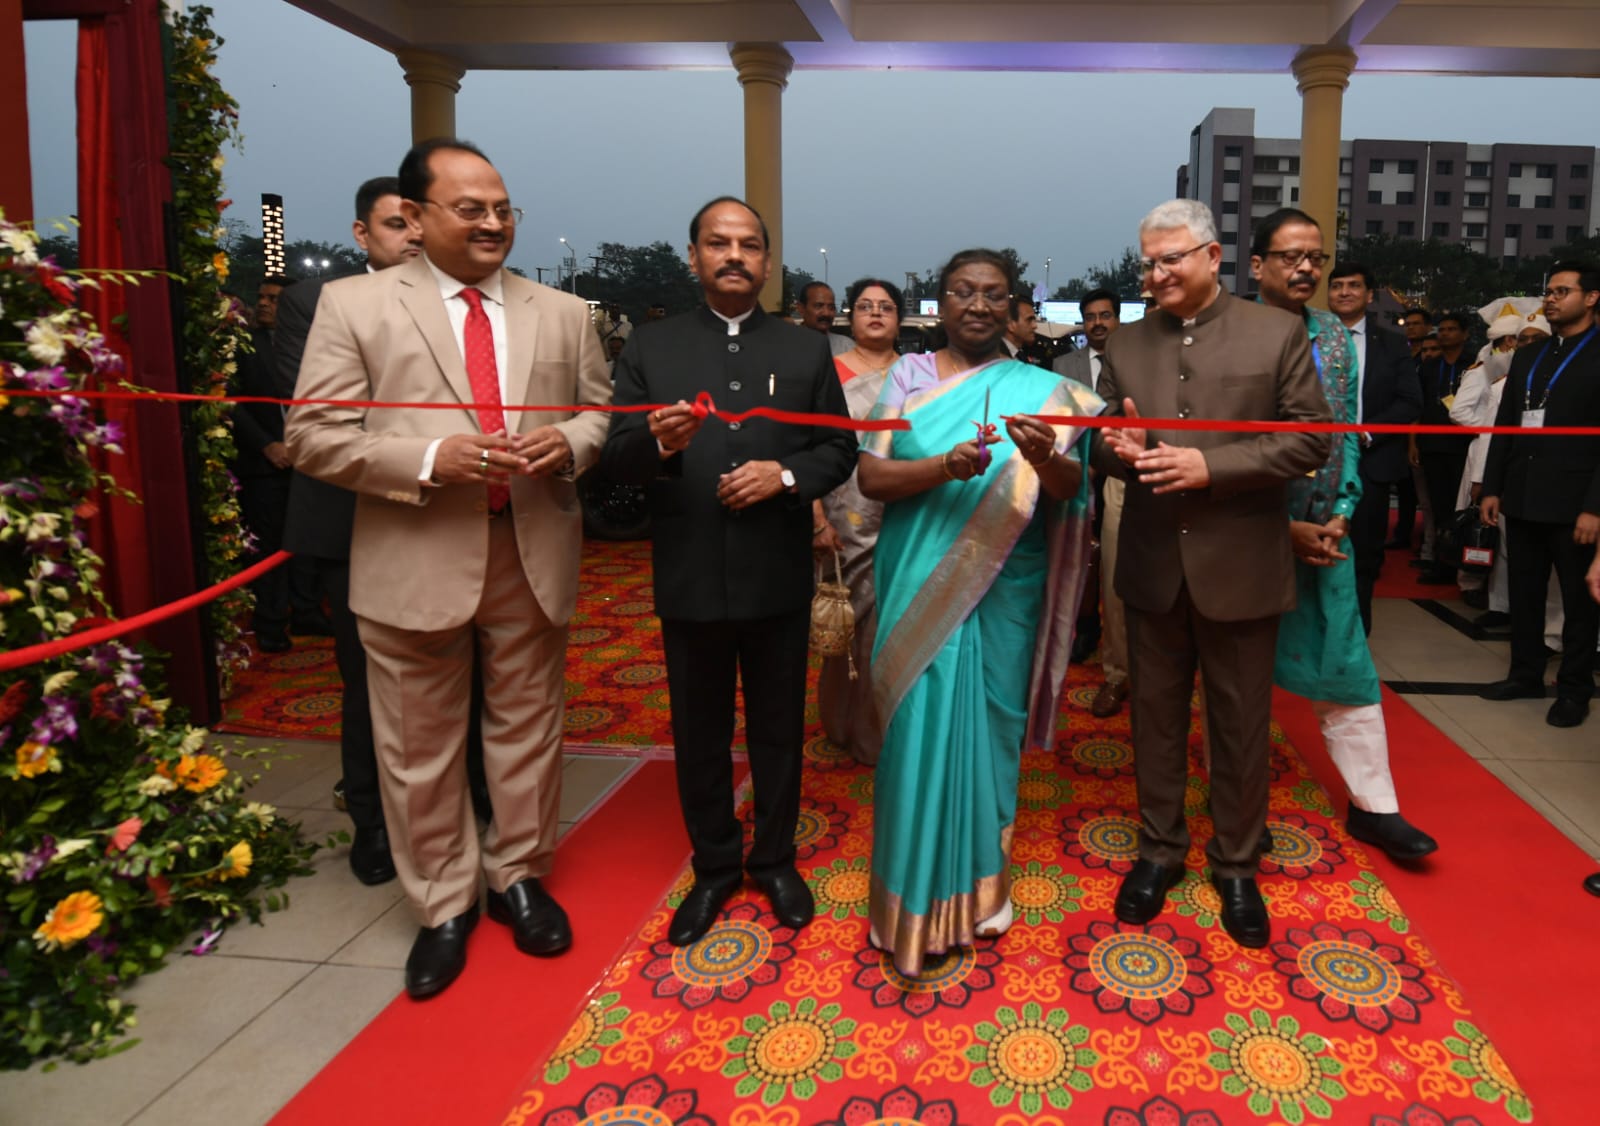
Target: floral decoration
1351	976
745	948
1148	973
646	1102
121	835
1033	1058
1482	1063
1161	1111
900	1105
595	1028
202	119
1276	1066
1418	1115
949	979
786	1052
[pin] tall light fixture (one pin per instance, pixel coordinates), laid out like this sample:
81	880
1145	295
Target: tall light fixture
272	233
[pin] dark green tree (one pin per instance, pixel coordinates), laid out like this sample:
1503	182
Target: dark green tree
794	281
1122	276
636	277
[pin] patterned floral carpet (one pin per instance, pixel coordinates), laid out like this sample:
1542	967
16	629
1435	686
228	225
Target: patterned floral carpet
616	682
1069	1017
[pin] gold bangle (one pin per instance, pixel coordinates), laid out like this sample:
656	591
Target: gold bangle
817	531
944	463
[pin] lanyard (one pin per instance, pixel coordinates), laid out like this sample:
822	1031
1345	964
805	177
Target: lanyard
1527	392
1453	380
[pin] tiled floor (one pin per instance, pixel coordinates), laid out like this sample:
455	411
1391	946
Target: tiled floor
231	1037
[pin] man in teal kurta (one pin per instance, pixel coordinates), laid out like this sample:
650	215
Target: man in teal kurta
1322	646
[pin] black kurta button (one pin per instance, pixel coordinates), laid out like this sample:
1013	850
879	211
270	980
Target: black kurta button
1184	413
734	425
735	385
733	345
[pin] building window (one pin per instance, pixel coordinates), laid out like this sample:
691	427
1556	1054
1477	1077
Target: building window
1346	166
1233	150
1405	228
1294	195
1441	230
1574	234
1230	238
1546	171
1580	171
1474	230
1444	167
1544	230
1375	165
1405	199
1478	168
1230	175
1270	193
1344	196
1230	207
1516	169
1442	198
1575	203
1374	196
1513	201
1228	267
1545	201
1513	230
1374	226
1477	199
1294	165
1266	163
1408	168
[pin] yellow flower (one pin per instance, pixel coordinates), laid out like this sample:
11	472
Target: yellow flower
195	773
238	858
33	759
5	400
219	263
73	919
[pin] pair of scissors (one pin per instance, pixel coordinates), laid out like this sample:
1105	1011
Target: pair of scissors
983	433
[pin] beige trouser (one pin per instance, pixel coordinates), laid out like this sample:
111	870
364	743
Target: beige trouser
1113	617
420	687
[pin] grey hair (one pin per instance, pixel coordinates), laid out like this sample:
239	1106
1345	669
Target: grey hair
1176	213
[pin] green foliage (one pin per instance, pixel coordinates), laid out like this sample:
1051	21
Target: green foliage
120	835
1121	276
635	277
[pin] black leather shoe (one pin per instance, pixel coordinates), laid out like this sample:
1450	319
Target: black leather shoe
312	625
338	796
1244	914
1492	619
1567	711
1397	837
1476	599
273	642
1591	884
439	955
538	924
700	908
1083	647
370	859
1512	690
1144	891
789	895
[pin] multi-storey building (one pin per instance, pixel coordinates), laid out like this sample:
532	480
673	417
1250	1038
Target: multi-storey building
1508	200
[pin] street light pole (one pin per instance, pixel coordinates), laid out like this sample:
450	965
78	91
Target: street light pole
824	265
572	256
1047	279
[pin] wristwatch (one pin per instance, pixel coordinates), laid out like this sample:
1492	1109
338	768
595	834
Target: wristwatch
787	477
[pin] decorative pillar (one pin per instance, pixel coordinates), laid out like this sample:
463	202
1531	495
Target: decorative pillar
1322	74
763	70
435	80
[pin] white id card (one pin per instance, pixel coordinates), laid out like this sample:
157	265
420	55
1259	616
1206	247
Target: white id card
1533	420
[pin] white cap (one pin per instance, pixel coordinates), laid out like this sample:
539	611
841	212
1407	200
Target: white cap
1536	320
1515	306
1508	324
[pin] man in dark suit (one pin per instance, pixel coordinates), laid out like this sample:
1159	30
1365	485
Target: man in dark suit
1390	393
731	521
1548	487
320	520
1443	457
1205	567
263	469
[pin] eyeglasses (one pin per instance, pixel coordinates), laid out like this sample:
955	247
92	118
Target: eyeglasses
1168	262
1559	293
473	212
869	307
1293	258
994	297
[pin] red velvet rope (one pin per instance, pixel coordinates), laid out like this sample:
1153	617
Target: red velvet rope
16	658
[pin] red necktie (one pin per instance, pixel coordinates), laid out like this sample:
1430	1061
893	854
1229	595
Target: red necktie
484	377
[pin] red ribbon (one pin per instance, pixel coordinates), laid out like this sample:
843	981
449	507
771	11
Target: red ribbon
16	658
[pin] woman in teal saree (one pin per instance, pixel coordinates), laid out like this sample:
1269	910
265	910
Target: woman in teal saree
979	569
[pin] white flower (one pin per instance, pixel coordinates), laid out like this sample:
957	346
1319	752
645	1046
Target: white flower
67	848
216	163
261	811
43	525
60	680
44	343
23	244
157	784
194	738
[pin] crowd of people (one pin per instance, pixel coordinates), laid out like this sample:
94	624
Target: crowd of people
980	545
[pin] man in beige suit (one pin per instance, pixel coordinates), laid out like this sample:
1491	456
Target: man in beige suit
467	525
1205	567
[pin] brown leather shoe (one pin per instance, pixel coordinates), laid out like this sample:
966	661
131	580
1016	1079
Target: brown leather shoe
1109	700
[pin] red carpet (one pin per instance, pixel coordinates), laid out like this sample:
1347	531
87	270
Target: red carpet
1398	579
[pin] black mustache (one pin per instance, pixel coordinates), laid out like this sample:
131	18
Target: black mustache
736	271
1302	279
